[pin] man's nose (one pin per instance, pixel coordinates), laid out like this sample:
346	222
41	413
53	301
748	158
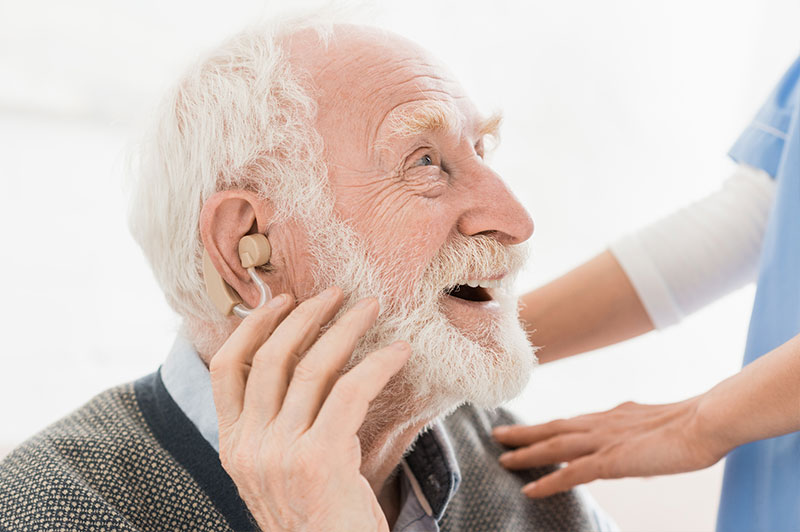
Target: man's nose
493	210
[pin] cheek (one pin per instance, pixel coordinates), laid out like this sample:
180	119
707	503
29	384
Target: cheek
404	233
392	211
292	261
407	244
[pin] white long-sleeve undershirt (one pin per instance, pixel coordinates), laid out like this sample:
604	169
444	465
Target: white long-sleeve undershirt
690	258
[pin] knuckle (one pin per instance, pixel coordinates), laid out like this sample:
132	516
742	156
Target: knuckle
217	365
307	463
553	445
304	312
242	458
306	467
239	460
599	468
304	373
346	391
263	357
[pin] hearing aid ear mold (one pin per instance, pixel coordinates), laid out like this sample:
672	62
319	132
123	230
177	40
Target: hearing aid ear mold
254	250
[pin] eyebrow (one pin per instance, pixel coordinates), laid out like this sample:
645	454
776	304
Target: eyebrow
437	116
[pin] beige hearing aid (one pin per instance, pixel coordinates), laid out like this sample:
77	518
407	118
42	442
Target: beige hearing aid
254	250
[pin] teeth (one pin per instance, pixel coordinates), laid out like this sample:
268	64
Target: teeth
474	283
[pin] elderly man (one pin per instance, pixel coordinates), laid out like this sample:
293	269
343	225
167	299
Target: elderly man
361	162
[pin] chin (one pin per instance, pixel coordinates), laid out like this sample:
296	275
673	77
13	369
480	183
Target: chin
449	366
486	366
507	366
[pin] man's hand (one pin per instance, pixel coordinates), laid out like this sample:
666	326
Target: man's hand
632	440
287	427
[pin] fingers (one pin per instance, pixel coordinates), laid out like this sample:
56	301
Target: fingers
231	364
580	471
517	435
346	406
276	359
551	451
316	374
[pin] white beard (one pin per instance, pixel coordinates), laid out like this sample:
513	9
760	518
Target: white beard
448	367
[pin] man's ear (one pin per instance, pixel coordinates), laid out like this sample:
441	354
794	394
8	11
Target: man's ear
226	217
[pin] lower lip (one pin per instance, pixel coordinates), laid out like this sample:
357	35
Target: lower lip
487	306
471	317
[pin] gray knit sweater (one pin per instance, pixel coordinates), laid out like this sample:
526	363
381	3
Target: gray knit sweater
130	460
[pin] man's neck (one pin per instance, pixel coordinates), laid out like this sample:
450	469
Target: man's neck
380	462
389	499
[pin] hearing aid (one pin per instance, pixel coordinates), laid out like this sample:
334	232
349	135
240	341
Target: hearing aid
254	250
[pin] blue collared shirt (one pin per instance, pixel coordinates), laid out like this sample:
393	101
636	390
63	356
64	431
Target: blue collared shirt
188	381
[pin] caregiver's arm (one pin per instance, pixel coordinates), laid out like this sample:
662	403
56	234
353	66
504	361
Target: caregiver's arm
654	277
633	440
592	306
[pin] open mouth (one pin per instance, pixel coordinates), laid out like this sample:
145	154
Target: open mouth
471	291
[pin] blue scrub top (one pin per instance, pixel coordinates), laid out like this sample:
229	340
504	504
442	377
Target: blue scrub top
761	488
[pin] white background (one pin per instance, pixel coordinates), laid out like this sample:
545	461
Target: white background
617	112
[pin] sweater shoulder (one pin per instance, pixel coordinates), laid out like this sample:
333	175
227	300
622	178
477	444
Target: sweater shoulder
100	466
489	497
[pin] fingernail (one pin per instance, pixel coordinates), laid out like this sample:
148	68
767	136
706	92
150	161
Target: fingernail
529	488
505	457
500	431
277	301
400	345
364	303
328	293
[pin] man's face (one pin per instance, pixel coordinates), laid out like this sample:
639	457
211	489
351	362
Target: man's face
404	150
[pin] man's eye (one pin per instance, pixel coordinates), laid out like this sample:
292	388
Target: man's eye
425	160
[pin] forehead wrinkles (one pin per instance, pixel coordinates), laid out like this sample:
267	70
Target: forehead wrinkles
404	107
372	83
361	81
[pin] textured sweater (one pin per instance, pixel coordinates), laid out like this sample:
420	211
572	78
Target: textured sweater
130	460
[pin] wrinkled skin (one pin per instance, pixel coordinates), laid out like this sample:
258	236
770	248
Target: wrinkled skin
406	196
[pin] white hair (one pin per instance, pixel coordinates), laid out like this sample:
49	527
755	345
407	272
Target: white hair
242	118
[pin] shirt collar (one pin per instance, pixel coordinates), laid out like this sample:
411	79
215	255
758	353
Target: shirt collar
188	381
431	471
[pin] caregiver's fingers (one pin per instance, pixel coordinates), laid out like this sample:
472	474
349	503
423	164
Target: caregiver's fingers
230	366
316	374
577	472
517	435
551	451
275	361
345	408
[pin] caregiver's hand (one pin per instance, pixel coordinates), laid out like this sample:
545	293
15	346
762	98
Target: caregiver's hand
287	429
630	440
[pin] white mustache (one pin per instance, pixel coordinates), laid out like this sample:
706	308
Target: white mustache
479	257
